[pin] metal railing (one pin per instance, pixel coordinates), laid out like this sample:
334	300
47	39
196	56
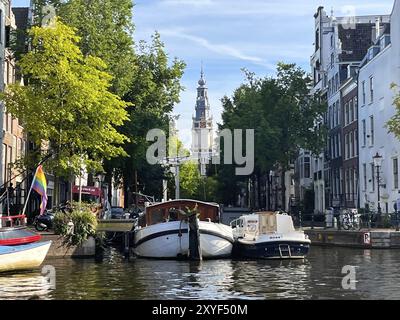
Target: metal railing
348	221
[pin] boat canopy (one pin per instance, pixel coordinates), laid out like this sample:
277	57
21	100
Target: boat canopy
263	223
166	211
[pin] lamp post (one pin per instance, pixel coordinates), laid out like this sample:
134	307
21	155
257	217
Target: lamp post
276	191
271	174
378	163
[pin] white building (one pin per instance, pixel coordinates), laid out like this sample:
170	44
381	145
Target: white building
340	45
379	70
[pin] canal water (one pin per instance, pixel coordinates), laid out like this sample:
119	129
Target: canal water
318	277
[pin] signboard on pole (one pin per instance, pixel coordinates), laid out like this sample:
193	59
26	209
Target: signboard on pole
367	238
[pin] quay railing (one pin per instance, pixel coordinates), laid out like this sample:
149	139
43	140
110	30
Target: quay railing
347	221
13	221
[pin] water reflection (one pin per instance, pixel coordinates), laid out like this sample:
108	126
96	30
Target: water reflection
24	286
317	277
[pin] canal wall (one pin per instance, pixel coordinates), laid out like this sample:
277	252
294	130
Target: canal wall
367	239
58	250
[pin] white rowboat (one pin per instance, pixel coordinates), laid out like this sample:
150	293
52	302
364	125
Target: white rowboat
25	257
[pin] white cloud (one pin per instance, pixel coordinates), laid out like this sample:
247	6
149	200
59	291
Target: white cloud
221	49
195	3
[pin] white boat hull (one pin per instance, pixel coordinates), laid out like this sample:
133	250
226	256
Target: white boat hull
26	257
170	240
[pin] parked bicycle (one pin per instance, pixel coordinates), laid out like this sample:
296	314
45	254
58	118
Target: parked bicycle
350	219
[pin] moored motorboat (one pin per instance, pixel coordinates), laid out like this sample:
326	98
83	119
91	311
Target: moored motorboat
23	257
164	233
268	235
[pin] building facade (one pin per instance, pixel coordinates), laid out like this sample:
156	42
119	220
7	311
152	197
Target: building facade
349	101
378	71
13	137
340	45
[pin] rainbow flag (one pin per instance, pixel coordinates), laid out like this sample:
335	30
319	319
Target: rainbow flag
40	186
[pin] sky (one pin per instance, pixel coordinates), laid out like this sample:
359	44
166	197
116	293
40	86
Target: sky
228	35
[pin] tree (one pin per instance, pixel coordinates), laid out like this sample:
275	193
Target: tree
105	28
283	114
190	180
67	103
153	93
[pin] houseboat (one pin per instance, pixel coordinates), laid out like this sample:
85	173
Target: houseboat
163	231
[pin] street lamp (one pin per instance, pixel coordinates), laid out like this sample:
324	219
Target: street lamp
271	174
378	163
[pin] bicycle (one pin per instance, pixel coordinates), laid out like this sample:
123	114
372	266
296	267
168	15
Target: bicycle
350	219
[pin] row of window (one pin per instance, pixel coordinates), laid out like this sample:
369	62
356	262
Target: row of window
334	115
333	85
335	146
368	137
351	144
364	91
370	179
351	111
350	184
10	155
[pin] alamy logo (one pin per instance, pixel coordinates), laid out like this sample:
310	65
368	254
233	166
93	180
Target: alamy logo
349	14
236	151
349	280
49	274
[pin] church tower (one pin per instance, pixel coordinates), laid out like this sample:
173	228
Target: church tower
202	130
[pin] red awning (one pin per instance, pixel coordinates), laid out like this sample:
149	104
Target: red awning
93	191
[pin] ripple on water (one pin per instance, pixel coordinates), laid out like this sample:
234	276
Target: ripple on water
317	277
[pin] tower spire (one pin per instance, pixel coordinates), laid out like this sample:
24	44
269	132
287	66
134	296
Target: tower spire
202	82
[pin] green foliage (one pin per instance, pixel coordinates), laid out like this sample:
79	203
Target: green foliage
393	124
194	186
84	225
105	27
153	92
67	102
190	180
283	114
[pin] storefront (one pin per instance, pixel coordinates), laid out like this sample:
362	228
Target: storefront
89	194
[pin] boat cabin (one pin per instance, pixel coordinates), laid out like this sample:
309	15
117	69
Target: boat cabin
262	223
167	211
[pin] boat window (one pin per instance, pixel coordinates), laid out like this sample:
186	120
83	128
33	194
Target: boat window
157	216
172	215
268	223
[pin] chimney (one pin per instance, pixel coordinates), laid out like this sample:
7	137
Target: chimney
378	28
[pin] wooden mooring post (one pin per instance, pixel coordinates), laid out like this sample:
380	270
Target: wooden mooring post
195	253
